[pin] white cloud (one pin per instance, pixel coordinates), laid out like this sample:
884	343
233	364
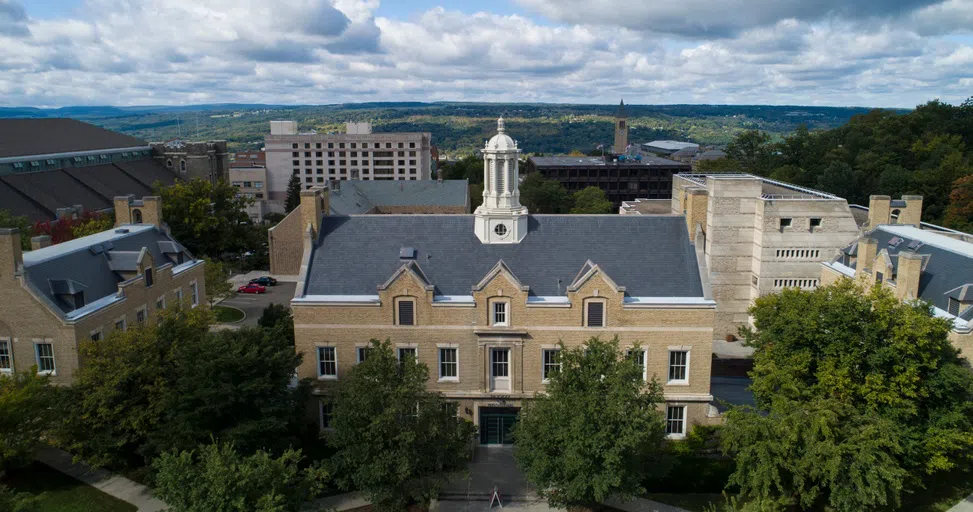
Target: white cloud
315	51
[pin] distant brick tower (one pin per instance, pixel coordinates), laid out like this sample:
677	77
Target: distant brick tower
621	130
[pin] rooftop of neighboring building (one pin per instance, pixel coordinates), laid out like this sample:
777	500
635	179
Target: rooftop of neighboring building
770	189
670	145
647	207
93	266
352	197
34	137
249	159
712	154
589	161
354	255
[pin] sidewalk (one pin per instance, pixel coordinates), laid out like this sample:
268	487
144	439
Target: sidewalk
339	502
103	480
643	505
964	506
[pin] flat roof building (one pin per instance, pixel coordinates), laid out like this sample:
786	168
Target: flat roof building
621	178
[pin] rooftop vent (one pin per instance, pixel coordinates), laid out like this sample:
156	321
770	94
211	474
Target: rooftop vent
915	245
121	231
895	241
407	253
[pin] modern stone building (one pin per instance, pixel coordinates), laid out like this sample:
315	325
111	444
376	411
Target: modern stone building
358	154
54	297
622	178
916	263
51	168
759	236
248	172
207	160
357	197
486	300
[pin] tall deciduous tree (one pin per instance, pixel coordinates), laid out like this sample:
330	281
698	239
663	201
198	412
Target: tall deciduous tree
278	316
395	440
293	193
541	195
863	396
217	285
26	415
959	213
591	200
208	219
596	433
217	478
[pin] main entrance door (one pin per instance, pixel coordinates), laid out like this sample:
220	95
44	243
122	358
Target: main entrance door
496	424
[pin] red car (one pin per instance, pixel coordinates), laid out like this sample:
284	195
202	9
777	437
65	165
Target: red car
252	288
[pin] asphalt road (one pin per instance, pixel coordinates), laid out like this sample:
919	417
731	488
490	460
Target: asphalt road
253	304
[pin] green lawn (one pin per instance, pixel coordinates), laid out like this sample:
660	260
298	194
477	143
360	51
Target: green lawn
58	492
228	315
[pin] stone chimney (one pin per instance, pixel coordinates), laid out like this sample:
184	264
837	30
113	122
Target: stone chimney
40	242
912	213
123	214
11	253
152	211
907	275
879	211
867	251
313	206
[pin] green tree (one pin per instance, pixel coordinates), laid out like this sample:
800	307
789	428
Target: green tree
92	224
293	193
597	432
395	440
865	396
26	414
208	219
8	220
278	316
217	478
752	149
217	285
12	501
959	213
541	195
591	200
476	195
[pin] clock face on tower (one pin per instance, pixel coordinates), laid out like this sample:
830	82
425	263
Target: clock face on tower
500	230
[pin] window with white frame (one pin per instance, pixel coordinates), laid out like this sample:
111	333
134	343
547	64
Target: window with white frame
327	362
179	295
6	356
361	353
678	366
406	353
194	293
448	363
96	335
160	304
500	318
638	354
595	314
327	413
120	324
551	358
676	420
45	357
406	312
140	315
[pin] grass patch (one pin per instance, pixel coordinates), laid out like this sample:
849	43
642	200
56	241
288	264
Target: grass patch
57	492
228	315
689	501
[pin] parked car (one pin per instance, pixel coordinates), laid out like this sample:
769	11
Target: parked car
252	288
265	281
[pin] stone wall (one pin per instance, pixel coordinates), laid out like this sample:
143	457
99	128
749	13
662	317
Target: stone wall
286	245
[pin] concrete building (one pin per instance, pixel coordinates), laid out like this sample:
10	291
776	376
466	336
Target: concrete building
622	178
248	172
186	159
357	154
915	263
357	197
485	300
760	236
56	296
55	167
665	147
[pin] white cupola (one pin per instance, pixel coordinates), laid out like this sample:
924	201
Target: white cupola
501	219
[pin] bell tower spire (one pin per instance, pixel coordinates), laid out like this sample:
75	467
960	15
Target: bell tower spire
501	219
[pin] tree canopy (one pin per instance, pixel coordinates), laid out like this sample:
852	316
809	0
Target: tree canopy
293	193
217	286
541	195
596	433
859	397
591	200
395	440
210	220
26	415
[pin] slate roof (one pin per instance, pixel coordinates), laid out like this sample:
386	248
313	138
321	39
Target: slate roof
649	255
352	197
24	137
949	265
75	265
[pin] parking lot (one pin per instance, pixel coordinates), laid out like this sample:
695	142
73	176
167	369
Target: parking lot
253	304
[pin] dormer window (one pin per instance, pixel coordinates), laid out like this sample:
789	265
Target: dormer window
595	314
148	277
406	312
500	314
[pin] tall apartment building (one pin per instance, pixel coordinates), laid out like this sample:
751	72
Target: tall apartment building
358	154
53	297
486	300
759	236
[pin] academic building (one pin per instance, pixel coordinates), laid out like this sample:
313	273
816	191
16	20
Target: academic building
487	300
53	297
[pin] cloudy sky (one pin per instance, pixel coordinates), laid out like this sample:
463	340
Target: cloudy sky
894	53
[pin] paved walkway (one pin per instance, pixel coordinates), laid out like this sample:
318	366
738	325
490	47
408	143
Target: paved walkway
338	502
964	506
643	505
103	480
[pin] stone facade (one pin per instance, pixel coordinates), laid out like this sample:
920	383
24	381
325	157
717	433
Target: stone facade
286	245
252	183
206	160
27	318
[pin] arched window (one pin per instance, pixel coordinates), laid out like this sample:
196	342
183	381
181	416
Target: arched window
136	216
169	164
894	218
182	165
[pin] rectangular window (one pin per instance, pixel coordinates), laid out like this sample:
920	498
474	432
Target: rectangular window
327	410
120	324
879	277
953	307
596	314
500	313
552	362
361	353
406	353
160	304
179	295
678	366
785	223
327	362
45	357
815	222
676	420
96	334
6	360
448	364
639	357
406	312
500	362
140	316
